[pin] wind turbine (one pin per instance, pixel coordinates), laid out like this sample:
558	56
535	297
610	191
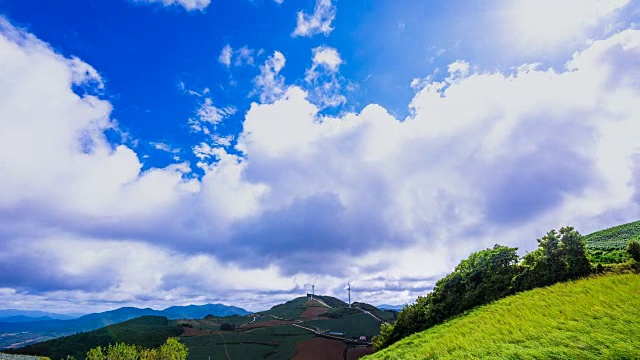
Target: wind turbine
349	288
313	289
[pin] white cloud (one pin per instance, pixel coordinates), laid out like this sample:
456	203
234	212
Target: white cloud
270	84
187	4
484	157
317	23
209	115
546	25
324	79
242	56
165	147
225	55
326	57
213	115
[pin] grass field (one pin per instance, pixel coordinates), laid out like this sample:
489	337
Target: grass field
594	318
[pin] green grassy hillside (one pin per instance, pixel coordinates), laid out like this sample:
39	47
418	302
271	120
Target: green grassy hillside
594	318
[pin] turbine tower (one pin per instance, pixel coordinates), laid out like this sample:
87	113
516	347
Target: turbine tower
349	288
313	290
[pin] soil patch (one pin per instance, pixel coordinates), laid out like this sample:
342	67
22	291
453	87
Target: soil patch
357	353
313	312
320	349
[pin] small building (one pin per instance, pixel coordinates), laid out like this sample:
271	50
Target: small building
334	333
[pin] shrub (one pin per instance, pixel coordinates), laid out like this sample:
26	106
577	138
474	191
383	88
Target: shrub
633	248
227	327
336	313
172	349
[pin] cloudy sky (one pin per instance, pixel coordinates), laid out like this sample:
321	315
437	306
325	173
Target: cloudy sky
169	152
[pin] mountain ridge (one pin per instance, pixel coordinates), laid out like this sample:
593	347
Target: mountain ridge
56	328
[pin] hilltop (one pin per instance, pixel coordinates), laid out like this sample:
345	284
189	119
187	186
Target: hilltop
592	318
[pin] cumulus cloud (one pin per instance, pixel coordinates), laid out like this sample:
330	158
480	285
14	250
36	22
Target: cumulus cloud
269	85
187	4
548	25
319	22
484	157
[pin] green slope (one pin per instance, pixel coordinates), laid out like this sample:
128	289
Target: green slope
594	318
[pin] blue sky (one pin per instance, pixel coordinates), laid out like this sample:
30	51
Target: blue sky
167	152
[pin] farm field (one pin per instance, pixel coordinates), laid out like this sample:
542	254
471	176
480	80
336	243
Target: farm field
609	246
593	318
321	349
615	238
354	325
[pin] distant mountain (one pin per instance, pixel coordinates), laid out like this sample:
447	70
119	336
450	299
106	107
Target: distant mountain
390	307
22	318
97	320
200	311
32	314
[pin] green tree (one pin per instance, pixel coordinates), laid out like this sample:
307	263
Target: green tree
481	278
633	248
96	354
380	340
227	327
172	349
560	256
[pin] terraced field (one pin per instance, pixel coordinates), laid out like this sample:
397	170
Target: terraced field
615	238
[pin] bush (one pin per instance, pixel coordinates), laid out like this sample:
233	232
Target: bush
336	313
227	327
633	248
172	349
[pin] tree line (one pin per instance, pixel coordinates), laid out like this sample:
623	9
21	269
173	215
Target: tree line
172	349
